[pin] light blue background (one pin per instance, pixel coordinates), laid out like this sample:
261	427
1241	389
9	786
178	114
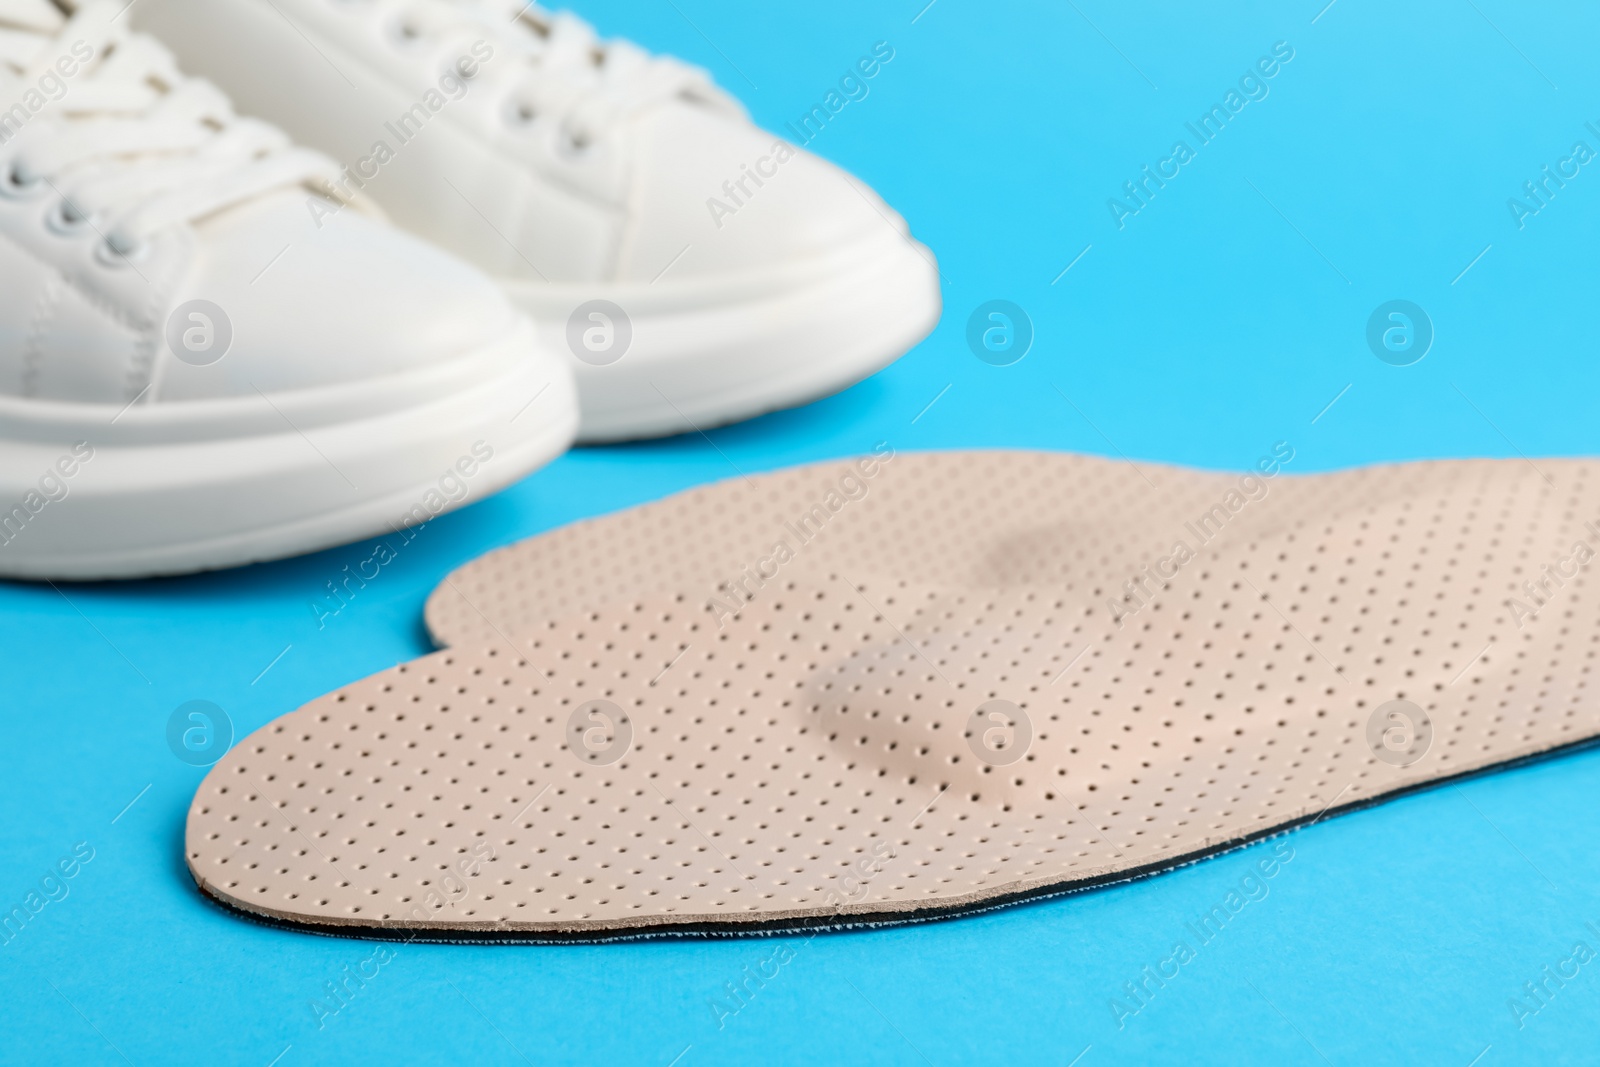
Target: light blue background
1223	318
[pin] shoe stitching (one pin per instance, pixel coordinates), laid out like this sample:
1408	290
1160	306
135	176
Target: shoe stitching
552	177
63	281
44	309
140	373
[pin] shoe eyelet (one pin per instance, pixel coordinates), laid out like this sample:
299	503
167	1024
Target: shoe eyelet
520	114
63	219
13	185
108	255
403	33
573	144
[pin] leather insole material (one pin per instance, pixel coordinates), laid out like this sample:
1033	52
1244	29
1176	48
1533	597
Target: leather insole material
825	748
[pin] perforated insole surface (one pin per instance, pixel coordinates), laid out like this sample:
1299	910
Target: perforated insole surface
971	679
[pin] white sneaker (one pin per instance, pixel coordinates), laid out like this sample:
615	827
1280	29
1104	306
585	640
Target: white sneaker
193	374
697	269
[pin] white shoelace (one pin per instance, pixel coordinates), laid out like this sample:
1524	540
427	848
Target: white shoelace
129	143
559	71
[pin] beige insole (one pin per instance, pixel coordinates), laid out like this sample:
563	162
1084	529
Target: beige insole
970	678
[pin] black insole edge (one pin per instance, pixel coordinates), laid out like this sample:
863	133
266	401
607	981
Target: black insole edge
819	924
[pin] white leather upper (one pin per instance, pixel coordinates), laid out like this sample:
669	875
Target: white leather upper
137	190
515	195
352	301
808	208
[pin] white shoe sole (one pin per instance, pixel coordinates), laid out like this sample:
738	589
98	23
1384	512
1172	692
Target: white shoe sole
188	486
704	354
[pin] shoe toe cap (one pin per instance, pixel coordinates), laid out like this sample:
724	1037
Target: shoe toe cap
311	299
740	199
